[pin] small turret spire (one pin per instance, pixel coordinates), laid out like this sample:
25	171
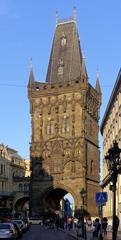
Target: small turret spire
31	75
57	18
84	71
74	13
97	87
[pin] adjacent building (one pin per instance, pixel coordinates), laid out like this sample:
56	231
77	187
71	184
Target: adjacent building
14	185
111	130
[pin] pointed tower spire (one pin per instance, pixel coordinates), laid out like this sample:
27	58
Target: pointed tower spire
84	75
31	75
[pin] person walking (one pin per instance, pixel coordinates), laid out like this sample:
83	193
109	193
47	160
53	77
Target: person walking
97	226
116	225
89	228
104	225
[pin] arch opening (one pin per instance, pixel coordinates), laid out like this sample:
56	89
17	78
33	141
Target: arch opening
59	201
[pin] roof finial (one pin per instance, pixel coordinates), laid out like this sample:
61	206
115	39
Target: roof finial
74	13
31	75
97	87
97	74
57	18
31	63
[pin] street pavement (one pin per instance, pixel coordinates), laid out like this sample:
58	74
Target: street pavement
73	233
38	232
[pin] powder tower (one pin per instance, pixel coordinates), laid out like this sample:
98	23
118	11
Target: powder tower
64	110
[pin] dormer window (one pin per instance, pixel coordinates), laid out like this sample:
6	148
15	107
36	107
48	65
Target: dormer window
63	39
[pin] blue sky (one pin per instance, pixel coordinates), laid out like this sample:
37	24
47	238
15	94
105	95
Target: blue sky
26	31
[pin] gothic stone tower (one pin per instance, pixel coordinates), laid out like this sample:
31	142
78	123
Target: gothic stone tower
64	111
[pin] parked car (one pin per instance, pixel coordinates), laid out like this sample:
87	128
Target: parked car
27	224
7	231
17	228
21	224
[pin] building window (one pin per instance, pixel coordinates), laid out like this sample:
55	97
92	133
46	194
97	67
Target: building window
26	187
91	167
20	187
65	125
50	126
1	169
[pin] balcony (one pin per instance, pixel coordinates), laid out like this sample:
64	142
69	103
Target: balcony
6	194
21	179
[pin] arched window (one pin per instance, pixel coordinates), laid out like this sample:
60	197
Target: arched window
20	187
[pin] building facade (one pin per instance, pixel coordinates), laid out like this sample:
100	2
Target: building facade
14	185
64	111
111	130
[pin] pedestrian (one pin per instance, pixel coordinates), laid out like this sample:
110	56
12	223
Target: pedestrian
116	224
79	228
69	222
89	228
57	222
96	227
104	225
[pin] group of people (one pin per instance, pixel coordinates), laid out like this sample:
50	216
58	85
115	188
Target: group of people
91	228
85	227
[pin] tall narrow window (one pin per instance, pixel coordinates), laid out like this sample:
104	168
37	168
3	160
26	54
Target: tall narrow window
20	187
65	126
91	167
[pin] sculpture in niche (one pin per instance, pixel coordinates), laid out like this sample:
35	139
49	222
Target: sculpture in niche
60	67
63	40
67	153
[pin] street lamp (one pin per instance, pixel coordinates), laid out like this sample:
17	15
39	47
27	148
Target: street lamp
113	162
83	195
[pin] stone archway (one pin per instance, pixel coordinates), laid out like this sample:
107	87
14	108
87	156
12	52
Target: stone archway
21	205
52	196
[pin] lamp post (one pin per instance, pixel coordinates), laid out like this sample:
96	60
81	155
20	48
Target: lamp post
113	162
83	195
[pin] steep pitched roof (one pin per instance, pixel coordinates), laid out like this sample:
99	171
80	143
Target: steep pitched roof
65	62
